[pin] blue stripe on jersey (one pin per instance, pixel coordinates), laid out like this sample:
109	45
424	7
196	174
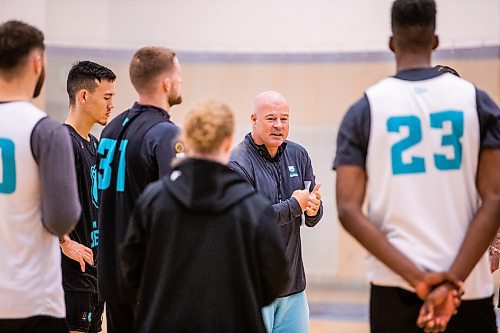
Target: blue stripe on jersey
125	121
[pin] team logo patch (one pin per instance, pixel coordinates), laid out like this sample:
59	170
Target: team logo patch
293	172
93	177
420	90
179	147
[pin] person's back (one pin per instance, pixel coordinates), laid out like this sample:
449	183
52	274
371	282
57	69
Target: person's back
129	173
424	147
23	234
201	252
135	149
32	186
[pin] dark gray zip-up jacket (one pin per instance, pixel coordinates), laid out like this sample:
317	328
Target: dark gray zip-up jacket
277	178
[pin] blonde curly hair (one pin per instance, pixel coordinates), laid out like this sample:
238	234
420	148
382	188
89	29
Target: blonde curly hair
206	126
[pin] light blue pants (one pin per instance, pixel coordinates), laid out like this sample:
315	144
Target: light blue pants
288	314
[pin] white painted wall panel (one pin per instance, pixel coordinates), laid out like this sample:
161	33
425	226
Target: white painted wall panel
246	26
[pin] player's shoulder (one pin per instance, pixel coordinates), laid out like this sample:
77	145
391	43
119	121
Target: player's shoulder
76	142
33	109
482	97
117	122
165	126
387	88
25	108
457	84
163	129
46	127
359	109
75	137
93	139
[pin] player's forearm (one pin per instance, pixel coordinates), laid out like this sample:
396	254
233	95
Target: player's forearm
484	227
480	234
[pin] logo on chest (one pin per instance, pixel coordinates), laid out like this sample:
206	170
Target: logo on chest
293	171
93	177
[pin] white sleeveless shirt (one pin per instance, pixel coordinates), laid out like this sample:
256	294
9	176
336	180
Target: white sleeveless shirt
421	164
30	262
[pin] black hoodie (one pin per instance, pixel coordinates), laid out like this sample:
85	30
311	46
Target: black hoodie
200	255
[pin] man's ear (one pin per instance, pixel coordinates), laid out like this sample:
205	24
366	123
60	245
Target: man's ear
38	61
435	42
253	118
166	84
391	44
81	96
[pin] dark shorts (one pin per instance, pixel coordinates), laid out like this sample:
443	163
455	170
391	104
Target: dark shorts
83	311
36	324
396	310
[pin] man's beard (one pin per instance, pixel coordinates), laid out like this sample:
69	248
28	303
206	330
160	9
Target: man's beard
39	83
174	100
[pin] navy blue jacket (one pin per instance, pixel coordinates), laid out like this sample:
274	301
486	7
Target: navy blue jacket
135	149
277	178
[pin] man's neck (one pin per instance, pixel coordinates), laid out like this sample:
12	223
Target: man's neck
14	91
158	101
405	61
79	122
273	151
218	156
